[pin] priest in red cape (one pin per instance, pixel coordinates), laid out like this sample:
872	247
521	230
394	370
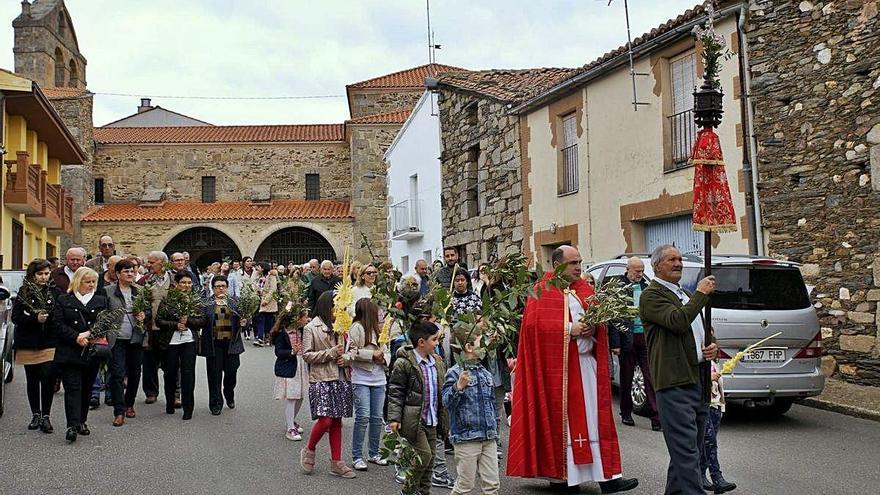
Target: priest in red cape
562	427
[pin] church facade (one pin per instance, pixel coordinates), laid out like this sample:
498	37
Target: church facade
161	180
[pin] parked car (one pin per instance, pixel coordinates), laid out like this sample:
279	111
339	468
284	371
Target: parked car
6	338
754	297
10	282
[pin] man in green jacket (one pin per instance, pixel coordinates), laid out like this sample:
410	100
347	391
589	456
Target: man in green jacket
676	348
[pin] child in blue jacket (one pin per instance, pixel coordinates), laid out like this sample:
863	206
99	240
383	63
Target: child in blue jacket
469	397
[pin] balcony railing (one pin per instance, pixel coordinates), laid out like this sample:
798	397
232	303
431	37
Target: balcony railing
50	217
406	220
66	215
684	131
25	186
568	176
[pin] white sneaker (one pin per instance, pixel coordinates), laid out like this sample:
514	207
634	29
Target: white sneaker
293	435
360	465
378	461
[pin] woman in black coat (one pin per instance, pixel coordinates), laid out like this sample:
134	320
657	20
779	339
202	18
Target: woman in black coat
178	340
35	341
74	315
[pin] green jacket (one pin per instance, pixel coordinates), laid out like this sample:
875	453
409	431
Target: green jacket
671	345
406	394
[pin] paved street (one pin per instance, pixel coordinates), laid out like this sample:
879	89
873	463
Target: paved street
243	451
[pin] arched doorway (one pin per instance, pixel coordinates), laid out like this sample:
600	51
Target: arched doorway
297	244
204	245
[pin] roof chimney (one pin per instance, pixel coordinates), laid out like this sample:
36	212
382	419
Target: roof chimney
26	8
145	105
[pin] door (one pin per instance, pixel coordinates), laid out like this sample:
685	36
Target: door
17	245
678	231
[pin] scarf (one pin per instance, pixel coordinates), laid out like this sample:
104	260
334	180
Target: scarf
84	298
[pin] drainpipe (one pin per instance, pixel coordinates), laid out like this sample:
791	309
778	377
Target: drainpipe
750	145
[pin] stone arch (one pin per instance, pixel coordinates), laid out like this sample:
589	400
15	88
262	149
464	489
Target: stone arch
205	244
296	242
74	74
59	67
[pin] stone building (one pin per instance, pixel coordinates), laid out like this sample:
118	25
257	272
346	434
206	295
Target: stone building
158	179
275	192
816	89
47	51
481	159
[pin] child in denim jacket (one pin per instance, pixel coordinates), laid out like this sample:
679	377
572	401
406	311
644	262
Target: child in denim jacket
469	397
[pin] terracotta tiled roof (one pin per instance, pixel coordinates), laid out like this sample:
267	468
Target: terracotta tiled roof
384	118
192	211
509	86
413	78
221	134
669	25
64	92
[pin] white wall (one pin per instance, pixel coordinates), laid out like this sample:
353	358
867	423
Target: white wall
620	157
416	150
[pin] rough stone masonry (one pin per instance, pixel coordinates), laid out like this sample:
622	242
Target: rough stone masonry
481	172
816	92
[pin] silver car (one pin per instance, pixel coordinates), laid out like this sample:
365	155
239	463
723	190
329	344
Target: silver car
7	364
755	297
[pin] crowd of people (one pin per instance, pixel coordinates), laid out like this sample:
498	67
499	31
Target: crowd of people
428	382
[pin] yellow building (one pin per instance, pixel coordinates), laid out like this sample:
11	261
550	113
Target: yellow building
36	209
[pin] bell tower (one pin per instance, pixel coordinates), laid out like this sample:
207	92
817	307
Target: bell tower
46	49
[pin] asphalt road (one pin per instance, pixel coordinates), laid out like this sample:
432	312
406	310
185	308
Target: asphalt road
808	451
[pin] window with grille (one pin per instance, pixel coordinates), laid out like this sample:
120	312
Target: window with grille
568	163
313	187
209	189
683	75
99	191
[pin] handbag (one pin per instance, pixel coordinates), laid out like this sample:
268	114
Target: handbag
99	349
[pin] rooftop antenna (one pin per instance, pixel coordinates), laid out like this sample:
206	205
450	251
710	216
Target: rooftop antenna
432	46
632	70
432	55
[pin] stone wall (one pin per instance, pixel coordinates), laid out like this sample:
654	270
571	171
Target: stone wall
489	222
178	169
36	39
77	179
815	80
369	186
139	238
372	102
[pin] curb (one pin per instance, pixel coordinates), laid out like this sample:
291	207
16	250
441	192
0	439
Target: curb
858	412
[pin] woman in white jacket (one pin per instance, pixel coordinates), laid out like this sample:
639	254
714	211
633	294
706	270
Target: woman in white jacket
363	286
368	360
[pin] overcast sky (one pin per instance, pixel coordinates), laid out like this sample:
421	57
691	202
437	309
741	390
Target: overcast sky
306	48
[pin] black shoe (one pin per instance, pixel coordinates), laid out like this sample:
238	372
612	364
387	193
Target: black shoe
70	436
618	485
108	401
627	420
35	421
216	411
94	403
187	415
169	410
230	404
721	485
46	425
707	485
656	426
84	430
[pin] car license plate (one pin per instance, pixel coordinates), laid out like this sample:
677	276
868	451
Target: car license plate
764	356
